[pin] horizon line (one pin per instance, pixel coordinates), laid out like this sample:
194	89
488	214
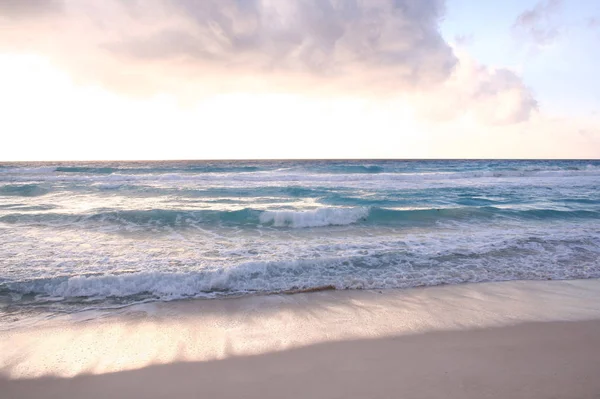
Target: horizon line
301	160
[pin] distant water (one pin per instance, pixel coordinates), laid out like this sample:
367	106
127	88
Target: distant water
75	235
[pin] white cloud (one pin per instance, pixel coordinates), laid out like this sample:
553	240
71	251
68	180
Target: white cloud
491	96
364	45
193	49
538	24
29	8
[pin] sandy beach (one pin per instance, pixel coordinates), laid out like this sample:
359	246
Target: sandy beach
299	199
497	340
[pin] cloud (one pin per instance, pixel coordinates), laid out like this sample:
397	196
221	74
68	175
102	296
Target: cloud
375	44
491	96
464	40
29	8
195	48
315	36
537	24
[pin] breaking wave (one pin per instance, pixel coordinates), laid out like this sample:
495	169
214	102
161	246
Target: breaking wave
397	269
319	217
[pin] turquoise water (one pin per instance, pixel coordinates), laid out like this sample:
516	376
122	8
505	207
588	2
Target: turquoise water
78	235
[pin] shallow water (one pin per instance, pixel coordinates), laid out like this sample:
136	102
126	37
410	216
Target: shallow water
94	235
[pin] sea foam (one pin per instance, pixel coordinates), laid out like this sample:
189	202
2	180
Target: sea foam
128	231
314	218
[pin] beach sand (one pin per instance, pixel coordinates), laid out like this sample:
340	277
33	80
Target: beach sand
497	340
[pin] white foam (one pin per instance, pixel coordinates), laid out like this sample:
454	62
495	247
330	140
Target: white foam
314	218
353	263
297	177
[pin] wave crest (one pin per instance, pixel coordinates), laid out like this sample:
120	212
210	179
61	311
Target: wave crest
283	218
495	261
23	190
314	218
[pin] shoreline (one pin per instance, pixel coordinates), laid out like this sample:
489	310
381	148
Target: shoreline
42	315
263	323
287	333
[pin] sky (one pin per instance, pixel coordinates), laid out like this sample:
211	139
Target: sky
256	79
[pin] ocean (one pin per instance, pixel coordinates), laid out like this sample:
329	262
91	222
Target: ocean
98	235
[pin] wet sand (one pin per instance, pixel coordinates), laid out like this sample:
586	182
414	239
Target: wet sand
500	340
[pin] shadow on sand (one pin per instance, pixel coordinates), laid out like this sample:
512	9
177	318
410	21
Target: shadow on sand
533	360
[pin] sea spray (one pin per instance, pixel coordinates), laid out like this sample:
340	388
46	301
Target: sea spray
75	235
